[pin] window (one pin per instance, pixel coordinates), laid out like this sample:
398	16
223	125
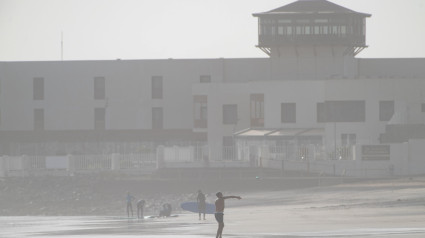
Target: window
343	30
280	30
38	119
341	111
288	112
99	119
316	30
257	110
289	30
157	87
298	30
157	118
348	139
325	30
38	88
200	110
99	88
335	30
386	110
230	114
307	30
205	79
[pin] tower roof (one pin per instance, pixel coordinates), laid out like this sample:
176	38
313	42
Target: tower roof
311	7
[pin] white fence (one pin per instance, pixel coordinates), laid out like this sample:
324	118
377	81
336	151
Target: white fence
405	159
25	165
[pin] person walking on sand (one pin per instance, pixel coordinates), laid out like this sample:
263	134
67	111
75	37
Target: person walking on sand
129	199
201	204
219	211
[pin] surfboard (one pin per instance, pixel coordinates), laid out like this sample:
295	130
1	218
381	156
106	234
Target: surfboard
193	207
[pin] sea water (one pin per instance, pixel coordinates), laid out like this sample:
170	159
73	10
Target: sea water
123	227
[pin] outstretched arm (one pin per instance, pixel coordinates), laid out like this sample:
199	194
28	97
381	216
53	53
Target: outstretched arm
226	197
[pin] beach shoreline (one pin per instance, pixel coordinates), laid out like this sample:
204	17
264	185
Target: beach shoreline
372	208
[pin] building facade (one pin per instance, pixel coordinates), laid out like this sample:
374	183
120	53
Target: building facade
310	98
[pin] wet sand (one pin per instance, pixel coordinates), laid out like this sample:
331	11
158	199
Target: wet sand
390	208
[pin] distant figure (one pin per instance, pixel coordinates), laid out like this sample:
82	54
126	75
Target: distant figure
129	199
201	204
140	206
166	210
219	211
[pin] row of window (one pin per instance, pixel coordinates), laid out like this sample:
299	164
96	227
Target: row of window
305	30
100	118
330	111
339	111
99	86
305	21
289	27
336	30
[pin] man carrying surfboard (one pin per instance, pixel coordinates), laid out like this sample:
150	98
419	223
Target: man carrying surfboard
201	203
219	211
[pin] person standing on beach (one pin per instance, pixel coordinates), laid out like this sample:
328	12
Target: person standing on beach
129	199
140	206
201	204
219	211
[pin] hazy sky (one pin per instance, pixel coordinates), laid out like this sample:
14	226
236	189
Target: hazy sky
158	29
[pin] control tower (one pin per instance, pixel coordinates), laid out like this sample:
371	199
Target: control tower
312	39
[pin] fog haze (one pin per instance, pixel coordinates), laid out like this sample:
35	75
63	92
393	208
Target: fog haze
148	29
107	103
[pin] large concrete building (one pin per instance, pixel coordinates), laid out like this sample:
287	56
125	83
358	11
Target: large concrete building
310	98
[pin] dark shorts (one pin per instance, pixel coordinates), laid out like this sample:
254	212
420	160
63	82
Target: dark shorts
219	217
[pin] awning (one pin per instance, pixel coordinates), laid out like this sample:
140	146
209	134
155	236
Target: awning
281	132
254	132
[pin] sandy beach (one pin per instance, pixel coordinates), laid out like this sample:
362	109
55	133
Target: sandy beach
378	208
